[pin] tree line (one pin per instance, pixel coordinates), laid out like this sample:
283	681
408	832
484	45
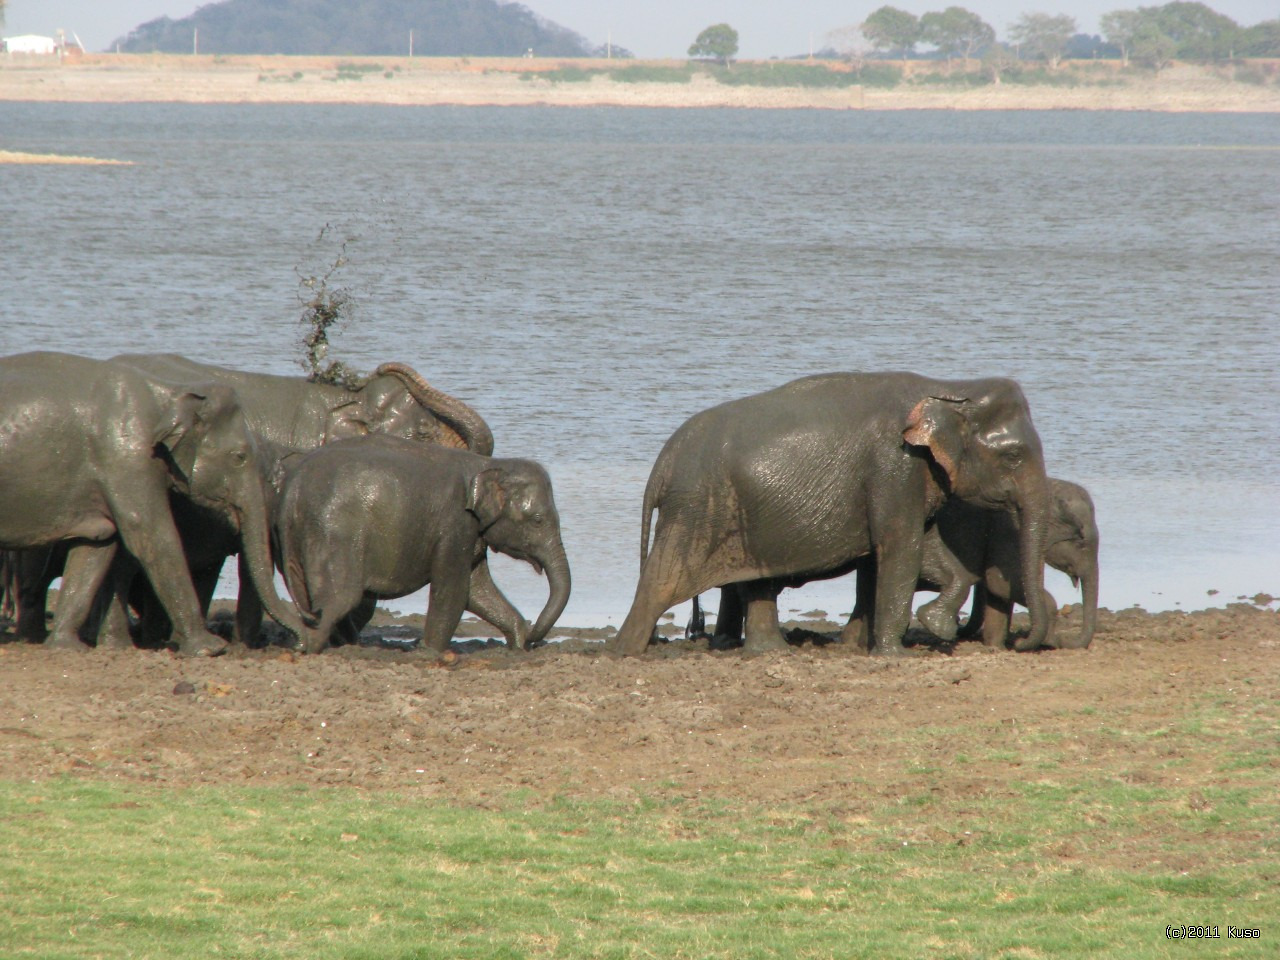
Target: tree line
1150	35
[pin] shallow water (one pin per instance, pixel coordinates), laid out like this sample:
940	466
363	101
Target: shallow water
589	278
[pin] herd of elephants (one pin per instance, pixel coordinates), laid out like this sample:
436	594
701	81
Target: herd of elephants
158	465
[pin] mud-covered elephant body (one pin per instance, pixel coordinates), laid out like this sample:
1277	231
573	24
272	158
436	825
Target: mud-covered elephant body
381	517
979	549
293	415
297	413
89	453
802	481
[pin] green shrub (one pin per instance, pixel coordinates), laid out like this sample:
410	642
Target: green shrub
782	74
564	74
644	73
884	75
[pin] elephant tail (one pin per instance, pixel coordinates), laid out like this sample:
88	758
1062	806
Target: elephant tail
654	492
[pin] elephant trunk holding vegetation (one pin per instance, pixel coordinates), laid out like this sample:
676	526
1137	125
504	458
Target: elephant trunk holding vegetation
803	481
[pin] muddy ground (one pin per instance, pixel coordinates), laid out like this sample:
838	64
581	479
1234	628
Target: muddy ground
815	724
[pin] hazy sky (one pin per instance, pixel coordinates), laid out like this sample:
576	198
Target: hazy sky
657	28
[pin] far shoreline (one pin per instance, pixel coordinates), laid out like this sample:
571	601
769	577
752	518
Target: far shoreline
494	81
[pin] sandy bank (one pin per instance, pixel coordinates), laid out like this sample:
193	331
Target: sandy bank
112	78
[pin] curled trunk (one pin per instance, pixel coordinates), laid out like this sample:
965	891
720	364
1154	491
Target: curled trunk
465	427
559	582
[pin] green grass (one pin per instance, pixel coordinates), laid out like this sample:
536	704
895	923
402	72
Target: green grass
1062	856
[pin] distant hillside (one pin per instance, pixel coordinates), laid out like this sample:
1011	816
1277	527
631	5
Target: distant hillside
359	28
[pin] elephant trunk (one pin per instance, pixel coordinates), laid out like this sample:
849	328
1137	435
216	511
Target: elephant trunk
468	427
1033	529
1089	596
255	545
559	582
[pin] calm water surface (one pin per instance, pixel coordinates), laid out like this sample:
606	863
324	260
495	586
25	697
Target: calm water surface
589	278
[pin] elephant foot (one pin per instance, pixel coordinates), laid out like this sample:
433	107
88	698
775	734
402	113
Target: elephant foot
1026	645
202	645
56	641
765	643
938	620
895	651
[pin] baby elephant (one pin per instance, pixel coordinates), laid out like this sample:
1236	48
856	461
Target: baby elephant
380	517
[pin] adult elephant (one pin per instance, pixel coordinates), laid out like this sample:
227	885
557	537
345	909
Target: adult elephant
89	453
295	415
802	481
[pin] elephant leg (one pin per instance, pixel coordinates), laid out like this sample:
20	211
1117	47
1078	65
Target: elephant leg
1051	611
995	621
347	630
665	580
149	534
86	570
447	599
763	631
113	627
977	613
857	630
491	605
897	571
248	623
35	570
729	619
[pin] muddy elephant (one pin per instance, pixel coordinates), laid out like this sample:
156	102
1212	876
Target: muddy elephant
299	414
89	453
966	548
979	549
292	415
380	517
802	481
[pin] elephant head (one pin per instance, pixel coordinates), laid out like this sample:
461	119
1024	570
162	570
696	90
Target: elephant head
214	460
988	453
398	402
1073	549
513	502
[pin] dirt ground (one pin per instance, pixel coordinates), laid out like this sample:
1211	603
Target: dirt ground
812	724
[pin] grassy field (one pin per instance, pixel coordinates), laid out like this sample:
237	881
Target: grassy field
1059	860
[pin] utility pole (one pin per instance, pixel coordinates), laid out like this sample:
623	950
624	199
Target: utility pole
411	43
195	42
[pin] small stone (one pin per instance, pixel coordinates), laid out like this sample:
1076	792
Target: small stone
183	687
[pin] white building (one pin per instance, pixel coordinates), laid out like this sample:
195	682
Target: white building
31	43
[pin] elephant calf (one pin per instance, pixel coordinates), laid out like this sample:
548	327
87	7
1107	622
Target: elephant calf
979	548
381	517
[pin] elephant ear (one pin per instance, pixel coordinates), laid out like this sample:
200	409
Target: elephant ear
487	496
939	423
346	420
186	418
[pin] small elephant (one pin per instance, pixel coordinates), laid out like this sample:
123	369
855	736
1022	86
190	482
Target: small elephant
979	549
381	517
801	482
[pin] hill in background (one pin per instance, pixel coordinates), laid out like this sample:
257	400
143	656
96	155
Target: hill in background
480	28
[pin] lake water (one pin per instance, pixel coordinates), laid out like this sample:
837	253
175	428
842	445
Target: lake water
589	278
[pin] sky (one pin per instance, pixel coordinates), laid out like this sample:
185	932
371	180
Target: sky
656	28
